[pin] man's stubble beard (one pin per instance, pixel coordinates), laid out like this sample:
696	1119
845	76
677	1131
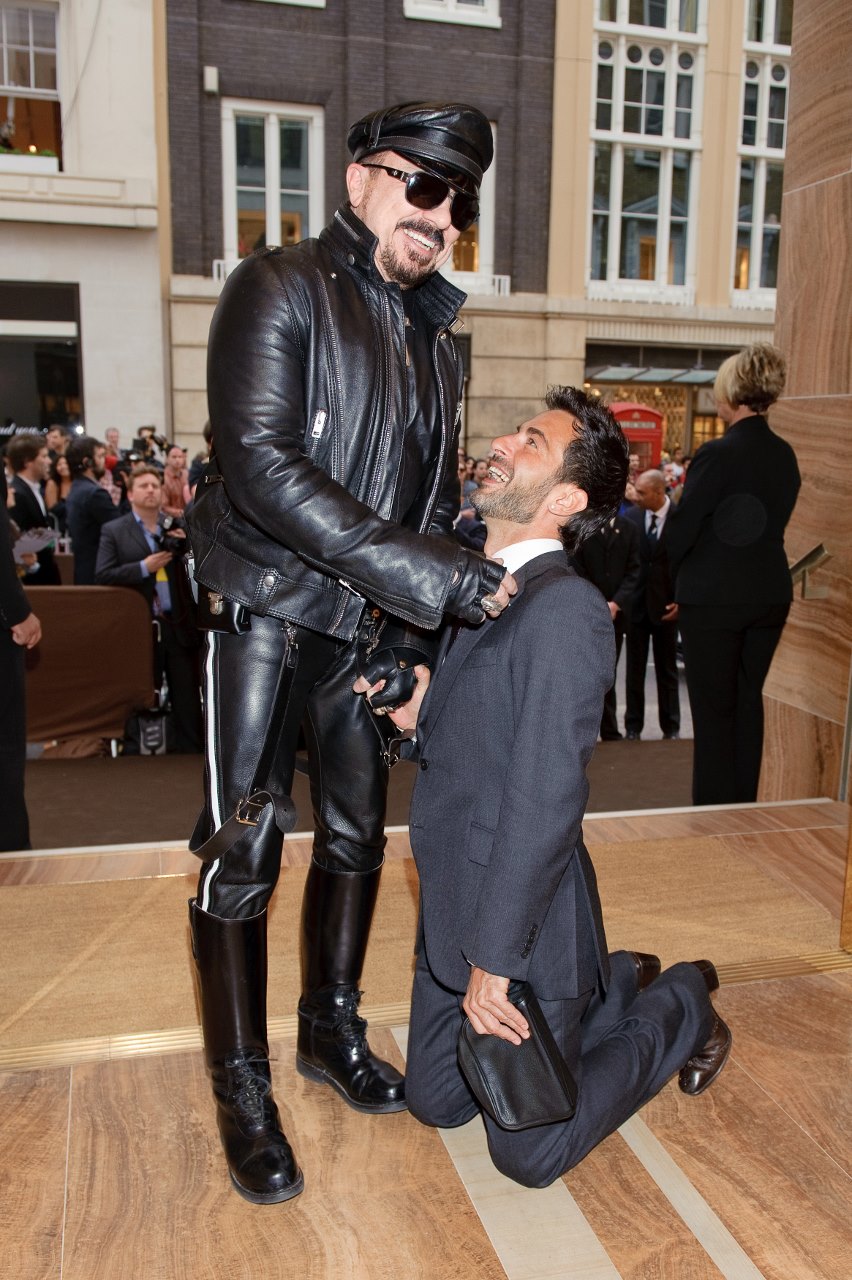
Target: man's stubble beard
517	505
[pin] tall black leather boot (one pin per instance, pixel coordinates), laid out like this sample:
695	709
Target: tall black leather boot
230	958
332	1048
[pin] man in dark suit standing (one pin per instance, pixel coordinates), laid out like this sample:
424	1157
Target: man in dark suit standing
89	507
653	613
610	559
20	629
130	555
30	460
508	890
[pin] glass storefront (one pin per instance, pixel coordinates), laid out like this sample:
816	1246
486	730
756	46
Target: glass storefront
40	372
676	381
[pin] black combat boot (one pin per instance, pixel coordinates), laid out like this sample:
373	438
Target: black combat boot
332	1046
230	958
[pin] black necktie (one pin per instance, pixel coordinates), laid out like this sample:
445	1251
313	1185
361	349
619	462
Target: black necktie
652	528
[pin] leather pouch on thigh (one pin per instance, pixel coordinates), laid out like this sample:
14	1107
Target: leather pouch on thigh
217	613
520	1086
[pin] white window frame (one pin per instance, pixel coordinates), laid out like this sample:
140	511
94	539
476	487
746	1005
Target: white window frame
454	11
765	55
621	34
272	113
22	91
487	211
767	46
670	31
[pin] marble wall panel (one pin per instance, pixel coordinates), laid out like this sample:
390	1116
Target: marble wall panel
810	669
812	323
818	428
821	92
801	754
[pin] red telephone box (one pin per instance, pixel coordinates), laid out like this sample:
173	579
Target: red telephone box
643	427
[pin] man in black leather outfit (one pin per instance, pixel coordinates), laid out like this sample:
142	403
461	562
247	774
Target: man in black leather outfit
321	533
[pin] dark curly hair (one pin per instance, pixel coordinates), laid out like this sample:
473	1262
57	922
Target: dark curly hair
80	453
595	461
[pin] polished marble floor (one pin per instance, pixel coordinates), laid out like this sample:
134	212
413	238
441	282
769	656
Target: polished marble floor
111	1166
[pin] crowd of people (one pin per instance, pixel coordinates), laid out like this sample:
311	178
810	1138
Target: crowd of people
114	515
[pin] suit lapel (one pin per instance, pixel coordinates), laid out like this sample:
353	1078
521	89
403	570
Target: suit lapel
457	653
139	537
27	498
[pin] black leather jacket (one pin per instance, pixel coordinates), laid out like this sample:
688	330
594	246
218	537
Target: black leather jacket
307	389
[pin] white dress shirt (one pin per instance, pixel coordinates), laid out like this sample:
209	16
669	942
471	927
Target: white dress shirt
661	515
518	553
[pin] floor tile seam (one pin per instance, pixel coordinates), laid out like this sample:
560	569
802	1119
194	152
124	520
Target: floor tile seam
40	857
781	875
67	1171
507	1227
805	1132
707	1227
770	969
117	1046
182	844
595	839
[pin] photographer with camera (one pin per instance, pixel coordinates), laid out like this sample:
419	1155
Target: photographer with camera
143	550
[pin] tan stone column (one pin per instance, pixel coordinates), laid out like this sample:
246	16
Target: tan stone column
807	691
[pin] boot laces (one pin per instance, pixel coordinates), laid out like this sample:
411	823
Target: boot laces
350	1028
249	1087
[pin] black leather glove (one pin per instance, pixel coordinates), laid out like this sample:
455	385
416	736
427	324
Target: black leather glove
396	667
393	657
478	577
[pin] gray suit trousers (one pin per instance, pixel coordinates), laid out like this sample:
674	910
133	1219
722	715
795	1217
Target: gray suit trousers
622	1049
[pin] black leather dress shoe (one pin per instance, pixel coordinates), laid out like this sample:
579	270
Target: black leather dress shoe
671	737
647	968
632	735
708	972
703	1067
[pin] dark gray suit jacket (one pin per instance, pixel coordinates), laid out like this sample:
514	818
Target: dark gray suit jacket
27	514
122	547
506	731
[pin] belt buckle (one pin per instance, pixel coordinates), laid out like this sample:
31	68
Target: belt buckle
245	803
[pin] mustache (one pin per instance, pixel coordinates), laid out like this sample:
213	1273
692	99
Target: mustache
502	463
424	228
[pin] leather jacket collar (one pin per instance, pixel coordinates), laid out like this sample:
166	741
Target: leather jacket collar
346	235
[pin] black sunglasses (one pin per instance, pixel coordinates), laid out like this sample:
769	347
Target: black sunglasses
426	191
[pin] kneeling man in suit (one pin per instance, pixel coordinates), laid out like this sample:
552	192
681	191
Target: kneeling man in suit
508	890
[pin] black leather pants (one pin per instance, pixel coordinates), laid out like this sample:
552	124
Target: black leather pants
258	688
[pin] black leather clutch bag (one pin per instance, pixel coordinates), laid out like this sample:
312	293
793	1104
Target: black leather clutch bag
523	1085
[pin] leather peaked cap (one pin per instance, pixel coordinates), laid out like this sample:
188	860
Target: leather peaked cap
451	134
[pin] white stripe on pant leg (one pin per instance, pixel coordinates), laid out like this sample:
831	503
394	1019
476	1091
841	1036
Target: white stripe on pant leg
211	717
